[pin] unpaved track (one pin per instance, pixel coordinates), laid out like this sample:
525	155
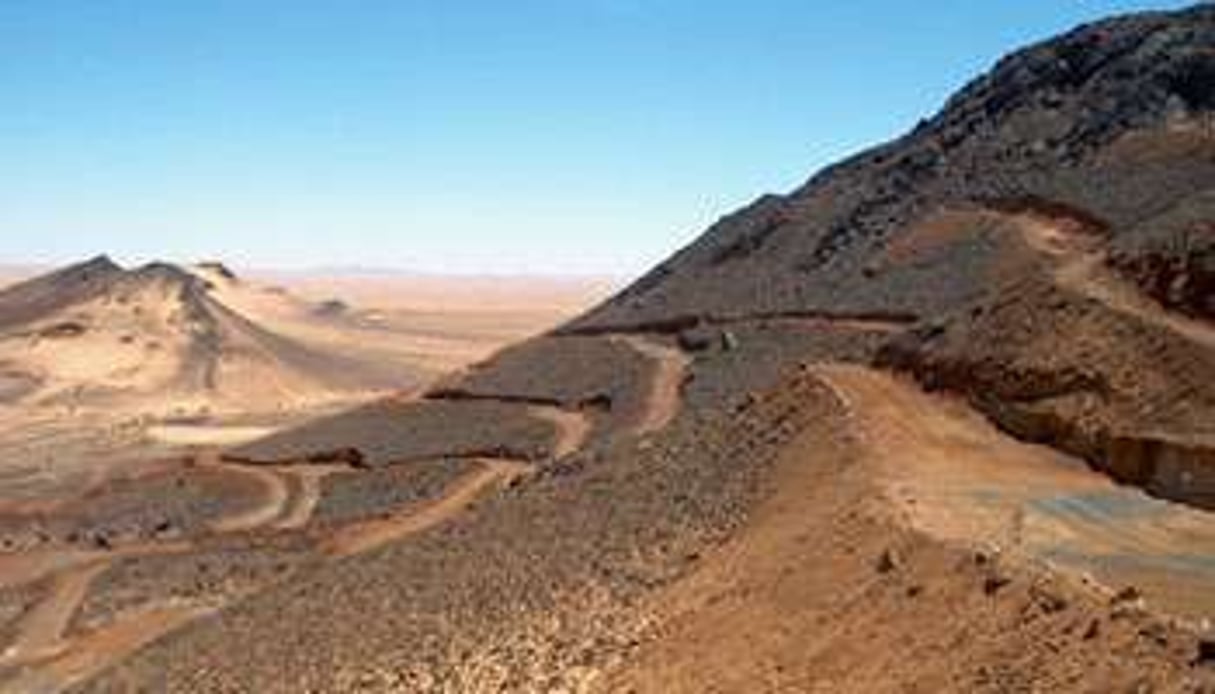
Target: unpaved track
954	475
28	567
95	651
1089	277
59	662
41	636
670	369
41	632
937	450
1081	269
299	511
860	325
573	428
365	536
815	320
276	498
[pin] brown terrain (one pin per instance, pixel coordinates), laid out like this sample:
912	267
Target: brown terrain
942	419
98	362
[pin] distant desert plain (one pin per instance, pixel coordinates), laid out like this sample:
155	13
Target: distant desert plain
88	388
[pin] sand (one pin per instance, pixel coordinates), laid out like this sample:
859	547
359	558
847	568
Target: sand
152	364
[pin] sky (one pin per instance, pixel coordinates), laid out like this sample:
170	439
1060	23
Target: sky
454	136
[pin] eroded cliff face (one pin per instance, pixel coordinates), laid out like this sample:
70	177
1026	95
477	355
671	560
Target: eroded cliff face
1176	266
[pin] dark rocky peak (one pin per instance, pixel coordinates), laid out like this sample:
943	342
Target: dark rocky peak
217	269
1048	122
1107	77
99	265
1081	90
98	268
38	297
158	279
163	273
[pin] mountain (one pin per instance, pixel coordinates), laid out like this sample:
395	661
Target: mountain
159	337
906	428
31	299
1045	238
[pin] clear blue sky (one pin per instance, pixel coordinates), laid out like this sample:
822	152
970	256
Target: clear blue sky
561	136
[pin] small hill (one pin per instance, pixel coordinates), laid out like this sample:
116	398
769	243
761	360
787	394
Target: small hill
159	336
35	298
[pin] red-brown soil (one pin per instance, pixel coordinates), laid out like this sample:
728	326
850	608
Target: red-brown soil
926	423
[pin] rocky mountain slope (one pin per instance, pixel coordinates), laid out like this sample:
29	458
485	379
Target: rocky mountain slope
1035	232
803	454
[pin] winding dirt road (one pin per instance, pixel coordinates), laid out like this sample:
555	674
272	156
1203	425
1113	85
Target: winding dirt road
670	369
93	652
808	318
299	510
41	637
42	630
277	496
954	475
573	428
1088	276
1081	268
56	661
42	658
29	567
368	535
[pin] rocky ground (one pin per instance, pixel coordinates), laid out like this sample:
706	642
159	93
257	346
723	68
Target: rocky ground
352	496
939	420
392	431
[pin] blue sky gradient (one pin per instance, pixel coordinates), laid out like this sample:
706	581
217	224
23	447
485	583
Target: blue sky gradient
549	136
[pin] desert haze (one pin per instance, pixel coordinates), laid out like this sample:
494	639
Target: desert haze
940	419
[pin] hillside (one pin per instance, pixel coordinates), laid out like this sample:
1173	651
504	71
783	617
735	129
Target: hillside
159	339
939	420
1043	238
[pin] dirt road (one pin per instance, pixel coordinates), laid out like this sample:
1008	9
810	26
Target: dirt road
573	428
365	536
307	495
859	570
59	661
663	400
41	632
97	650
951	473
1081	268
277	496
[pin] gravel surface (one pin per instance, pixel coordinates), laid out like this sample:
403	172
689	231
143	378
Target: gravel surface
365	493
390	432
